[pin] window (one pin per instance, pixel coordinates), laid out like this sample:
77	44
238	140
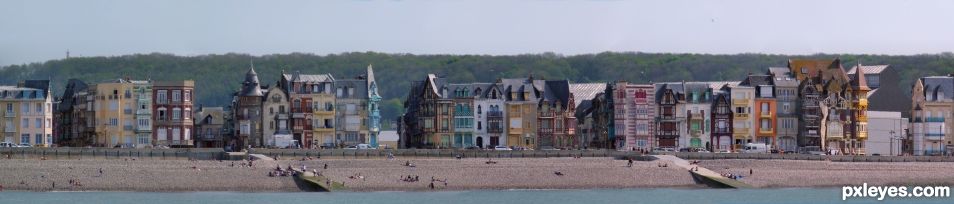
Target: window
9	109
143	123
176	113
25	138
766	125
765	108
39	139
38	123
176	95
113	122
25	107
39	107
188	113
161	114
245	129
25	123
188	95
161	97
340	92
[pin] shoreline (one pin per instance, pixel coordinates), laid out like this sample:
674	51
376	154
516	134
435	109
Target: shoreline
471	174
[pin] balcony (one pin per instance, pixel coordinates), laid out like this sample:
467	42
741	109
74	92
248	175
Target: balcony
740	101
934	136
298	115
934	119
765	115
766	131
9	114
741	115
282	116
494	114
740	130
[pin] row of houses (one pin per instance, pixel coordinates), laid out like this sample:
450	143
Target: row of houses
299	110
808	105
303	111
125	113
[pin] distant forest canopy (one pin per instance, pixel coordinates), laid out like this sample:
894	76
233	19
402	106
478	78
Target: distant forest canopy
217	76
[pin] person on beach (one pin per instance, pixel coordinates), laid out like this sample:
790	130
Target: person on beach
630	164
750	171
431	185
101	172
326	166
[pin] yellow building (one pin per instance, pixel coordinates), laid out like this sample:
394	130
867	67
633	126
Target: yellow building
521	122
27	113
114	106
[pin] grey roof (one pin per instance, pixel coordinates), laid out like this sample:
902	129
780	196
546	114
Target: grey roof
936	84
869	69
716	85
754	80
453	88
521	85
585	92
360	87
13	92
557	91
250	87
700	88
779	71
676	87
73	86
308	77
217	114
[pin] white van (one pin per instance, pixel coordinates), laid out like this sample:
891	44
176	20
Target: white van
365	146
755	148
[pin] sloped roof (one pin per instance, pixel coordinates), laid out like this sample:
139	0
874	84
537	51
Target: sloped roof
869	69
936	84
558	91
676	87
859	82
585	92
308	77
250	87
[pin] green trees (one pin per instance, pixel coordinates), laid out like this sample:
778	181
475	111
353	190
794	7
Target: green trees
217	76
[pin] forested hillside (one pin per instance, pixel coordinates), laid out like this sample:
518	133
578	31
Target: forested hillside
217	76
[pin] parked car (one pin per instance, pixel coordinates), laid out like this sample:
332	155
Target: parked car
502	148
365	146
25	145
471	148
8	144
351	147
724	151
755	148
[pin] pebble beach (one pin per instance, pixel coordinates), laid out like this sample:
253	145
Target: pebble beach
448	174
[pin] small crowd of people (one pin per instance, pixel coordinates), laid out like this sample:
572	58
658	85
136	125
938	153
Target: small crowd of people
408	178
279	172
356	176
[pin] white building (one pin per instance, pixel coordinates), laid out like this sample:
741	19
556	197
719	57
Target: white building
885	130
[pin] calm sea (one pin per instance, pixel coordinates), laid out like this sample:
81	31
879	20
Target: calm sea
694	196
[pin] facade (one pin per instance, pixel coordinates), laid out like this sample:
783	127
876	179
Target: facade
312	108
786	90
743	100
351	100
28	113
556	119
885	90
463	120
832	103
670	100
115	106
764	113
209	127
74	117
173	122
885	134
634	115
489	116
933	103
247	114
144	107
721	119
522	96
698	105
374	109
587	96
275	117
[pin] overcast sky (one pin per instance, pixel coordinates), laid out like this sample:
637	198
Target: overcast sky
39	30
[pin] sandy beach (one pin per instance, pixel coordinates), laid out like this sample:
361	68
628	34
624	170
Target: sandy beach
798	173
464	174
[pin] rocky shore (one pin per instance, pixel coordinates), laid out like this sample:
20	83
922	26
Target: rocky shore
448	174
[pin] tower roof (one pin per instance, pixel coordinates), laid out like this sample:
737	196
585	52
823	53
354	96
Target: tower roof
860	83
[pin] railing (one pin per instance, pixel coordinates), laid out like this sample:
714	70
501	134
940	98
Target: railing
9	114
934	136
494	114
741	115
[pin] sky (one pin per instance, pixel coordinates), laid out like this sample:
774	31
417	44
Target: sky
40	30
